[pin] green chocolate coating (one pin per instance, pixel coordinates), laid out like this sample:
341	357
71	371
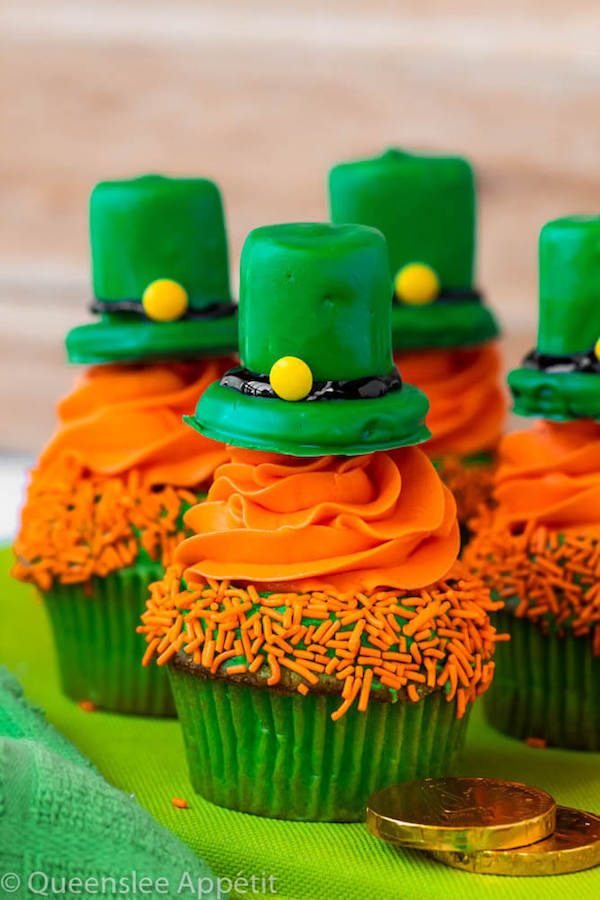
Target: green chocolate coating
116	338
424	205
155	227
569	257
459	323
319	292
560	396
569	323
147	228
342	427
425	208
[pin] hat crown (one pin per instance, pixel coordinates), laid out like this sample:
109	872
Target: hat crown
318	292
569	285
153	227
423	204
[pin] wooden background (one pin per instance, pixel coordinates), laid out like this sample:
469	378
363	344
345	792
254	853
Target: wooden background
263	97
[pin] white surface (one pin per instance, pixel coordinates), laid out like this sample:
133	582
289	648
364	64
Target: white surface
13	477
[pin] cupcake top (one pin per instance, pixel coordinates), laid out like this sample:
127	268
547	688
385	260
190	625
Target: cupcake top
539	549
425	207
334	575
112	484
160	273
307	571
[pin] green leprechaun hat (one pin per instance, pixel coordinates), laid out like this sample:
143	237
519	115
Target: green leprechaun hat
425	207
160	273
560	379
317	375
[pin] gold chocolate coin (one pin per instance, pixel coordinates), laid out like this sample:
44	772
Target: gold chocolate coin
575	845
461	814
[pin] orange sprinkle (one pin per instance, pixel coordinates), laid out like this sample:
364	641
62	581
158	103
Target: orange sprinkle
87	705
275	670
237	670
179	803
76	525
538	743
353	649
365	690
536	570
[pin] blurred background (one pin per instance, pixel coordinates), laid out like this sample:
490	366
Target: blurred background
264	97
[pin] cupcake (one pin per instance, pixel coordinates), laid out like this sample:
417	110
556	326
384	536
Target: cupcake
321	639
539	549
443	334
105	504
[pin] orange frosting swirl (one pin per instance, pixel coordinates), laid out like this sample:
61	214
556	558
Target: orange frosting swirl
550	475
124	417
467	404
347	523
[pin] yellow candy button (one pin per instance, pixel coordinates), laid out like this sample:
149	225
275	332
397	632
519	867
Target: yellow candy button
417	284
597	349
165	300
291	378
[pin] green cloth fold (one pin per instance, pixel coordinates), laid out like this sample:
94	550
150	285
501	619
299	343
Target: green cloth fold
60	819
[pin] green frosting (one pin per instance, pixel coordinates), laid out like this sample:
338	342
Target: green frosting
155	227
321	293
144	229
317	292
425	207
569	256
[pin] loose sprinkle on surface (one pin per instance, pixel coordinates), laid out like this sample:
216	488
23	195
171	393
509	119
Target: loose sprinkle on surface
550	578
179	802
414	642
87	705
76	525
538	743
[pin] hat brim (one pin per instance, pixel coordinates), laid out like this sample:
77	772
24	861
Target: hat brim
315	428
559	396
116	338
456	323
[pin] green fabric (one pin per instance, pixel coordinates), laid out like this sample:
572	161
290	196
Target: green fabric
60	819
309	861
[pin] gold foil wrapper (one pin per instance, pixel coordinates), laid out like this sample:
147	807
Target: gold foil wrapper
461	814
575	845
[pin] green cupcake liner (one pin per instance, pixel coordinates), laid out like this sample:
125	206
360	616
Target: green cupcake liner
99	652
261	751
545	686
